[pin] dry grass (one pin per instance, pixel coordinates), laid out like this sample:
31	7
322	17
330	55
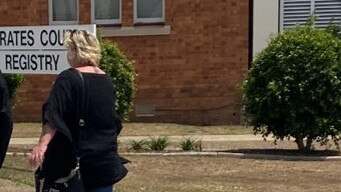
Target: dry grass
16	170
202	174
215	174
195	174
25	130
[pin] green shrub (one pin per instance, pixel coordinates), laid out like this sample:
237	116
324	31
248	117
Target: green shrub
122	73
293	88
335	30
13	81
158	143
190	144
138	145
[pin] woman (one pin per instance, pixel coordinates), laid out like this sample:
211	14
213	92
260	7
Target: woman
100	165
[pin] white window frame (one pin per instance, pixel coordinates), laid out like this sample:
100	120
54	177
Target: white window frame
105	21
51	22
149	20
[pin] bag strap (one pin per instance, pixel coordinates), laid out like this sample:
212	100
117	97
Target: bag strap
81	121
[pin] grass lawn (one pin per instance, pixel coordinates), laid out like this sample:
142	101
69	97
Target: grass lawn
204	174
24	130
195	174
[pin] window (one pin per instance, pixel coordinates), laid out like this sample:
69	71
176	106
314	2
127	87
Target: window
295	12
63	11
106	11
149	11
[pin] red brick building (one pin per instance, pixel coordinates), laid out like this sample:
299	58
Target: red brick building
190	55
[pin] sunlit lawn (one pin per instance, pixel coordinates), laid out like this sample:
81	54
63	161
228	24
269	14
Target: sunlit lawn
24	130
193	174
208	174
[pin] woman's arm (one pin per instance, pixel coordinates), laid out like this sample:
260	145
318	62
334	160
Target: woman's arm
37	155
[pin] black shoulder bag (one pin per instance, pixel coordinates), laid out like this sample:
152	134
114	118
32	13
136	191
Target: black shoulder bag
72	182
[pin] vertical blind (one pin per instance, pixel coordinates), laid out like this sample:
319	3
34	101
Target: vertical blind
149	8
327	11
107	9
64	10
294	12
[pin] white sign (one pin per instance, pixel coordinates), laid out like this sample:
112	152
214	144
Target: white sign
35	49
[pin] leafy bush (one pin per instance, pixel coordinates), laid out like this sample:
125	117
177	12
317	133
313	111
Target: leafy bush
293	88
158	143
13	81
190	144
335	30
138	145
122	73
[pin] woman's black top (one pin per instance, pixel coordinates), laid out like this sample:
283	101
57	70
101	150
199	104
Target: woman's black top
100	164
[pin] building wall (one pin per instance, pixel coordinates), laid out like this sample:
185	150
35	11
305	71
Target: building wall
265	23
189	75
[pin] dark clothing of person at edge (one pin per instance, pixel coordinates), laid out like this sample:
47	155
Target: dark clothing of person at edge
6	124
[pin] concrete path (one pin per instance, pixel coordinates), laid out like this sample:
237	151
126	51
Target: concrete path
247	137
205	138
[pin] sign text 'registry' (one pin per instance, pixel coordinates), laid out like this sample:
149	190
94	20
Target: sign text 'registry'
35	50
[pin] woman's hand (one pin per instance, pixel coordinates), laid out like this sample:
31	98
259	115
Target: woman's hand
37	155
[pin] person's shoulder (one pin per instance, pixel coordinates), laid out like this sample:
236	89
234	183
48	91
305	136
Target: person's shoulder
65	77
66	73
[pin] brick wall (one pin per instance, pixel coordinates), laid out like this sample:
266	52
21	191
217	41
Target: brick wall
190	76
36	87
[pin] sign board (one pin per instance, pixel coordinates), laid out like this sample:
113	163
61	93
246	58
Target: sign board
35	49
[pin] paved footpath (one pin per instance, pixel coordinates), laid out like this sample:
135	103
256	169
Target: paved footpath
205	138
246	137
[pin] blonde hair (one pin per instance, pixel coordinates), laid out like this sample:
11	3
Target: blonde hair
83	47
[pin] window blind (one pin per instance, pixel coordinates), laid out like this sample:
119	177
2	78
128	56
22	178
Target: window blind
107	9
297	12
64	10
327	12
149	9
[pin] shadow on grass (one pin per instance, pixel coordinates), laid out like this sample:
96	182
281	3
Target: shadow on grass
289	152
